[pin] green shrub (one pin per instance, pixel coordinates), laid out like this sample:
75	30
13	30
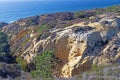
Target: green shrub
99	11
4	46
80	14
96	68
107	10
113	9
44	64
2	54
42	28
22	63
86	14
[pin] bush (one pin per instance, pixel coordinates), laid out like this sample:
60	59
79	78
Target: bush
86	14
107	10
96	68
42	28
44	64
99	11
22	63
80	14
113	9
5	55
4	46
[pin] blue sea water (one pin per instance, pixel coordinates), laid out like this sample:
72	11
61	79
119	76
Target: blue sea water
11	11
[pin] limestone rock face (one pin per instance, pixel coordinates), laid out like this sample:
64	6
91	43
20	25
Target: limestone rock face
72	46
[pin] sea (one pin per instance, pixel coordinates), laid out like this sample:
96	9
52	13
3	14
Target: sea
14	10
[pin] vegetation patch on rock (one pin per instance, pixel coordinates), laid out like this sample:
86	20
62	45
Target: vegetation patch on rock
44	65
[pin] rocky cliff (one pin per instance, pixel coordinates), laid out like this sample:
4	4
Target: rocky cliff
78	43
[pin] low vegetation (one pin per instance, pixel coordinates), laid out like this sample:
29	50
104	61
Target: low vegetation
22	63
113	9
96	68
101	72
4	47
83	14
44	65
42	28
86	14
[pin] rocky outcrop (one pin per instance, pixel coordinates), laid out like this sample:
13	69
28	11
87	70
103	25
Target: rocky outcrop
111	52
79	46
76	54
